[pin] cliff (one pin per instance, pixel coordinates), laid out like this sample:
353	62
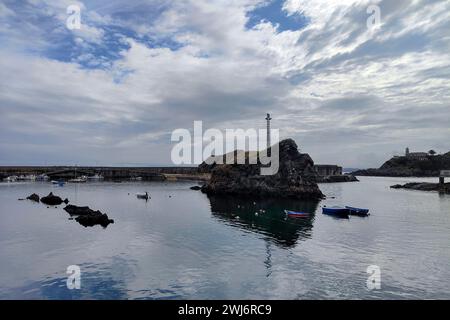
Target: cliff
409	167
295	177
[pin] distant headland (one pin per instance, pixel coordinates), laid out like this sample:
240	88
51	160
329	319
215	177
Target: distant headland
412	164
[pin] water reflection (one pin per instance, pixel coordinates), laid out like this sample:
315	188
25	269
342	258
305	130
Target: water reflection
266	217
95	284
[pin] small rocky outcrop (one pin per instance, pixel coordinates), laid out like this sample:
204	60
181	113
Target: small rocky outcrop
77	211
88	217
52	200
196	188
34	197
423	186
334	179
294	179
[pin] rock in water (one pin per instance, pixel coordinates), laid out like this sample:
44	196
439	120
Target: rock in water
52	200
196	188
295	177
88	217
91	220
424	186
34	197
78	211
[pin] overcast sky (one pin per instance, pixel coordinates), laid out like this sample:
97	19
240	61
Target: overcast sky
112	92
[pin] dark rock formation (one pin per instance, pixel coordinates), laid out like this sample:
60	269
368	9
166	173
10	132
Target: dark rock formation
53	200
88	217
295	177
196	188
410	167
34	197
423	186
77	211
91	220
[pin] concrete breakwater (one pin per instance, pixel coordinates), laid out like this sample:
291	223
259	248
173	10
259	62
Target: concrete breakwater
109	173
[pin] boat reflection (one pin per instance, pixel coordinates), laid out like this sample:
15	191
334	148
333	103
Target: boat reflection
267	217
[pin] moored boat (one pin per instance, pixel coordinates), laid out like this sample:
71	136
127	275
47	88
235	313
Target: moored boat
42	177
358	211
336	211
294	214
96	177
11	179
82	179
144	196
59	182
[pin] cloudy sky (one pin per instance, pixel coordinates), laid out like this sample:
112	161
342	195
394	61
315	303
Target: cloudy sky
112	92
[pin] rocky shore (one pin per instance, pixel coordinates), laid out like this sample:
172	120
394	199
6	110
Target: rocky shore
423	186
295	177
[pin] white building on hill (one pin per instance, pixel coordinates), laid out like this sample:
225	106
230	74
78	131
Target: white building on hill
416	155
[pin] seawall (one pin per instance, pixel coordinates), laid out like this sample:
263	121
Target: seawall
109	173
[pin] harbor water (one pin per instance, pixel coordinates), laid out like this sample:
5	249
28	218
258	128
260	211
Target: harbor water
183	245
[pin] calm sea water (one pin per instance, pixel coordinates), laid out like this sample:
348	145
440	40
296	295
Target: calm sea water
182	245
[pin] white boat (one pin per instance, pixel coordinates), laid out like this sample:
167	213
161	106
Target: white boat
42	177
11	179
144	196
96	177
136	179
82	179
29	177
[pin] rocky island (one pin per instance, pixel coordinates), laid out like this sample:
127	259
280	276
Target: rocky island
295	177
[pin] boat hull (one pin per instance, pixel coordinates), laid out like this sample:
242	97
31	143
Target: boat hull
336	211
358	211
293	214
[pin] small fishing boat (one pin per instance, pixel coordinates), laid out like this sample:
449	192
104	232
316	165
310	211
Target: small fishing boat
42	177
358	211
11	179
294	214
144	196
82	179
30	177
96	177
336	211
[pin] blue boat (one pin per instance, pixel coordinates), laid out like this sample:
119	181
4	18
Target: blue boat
293	214
336	211
358	211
